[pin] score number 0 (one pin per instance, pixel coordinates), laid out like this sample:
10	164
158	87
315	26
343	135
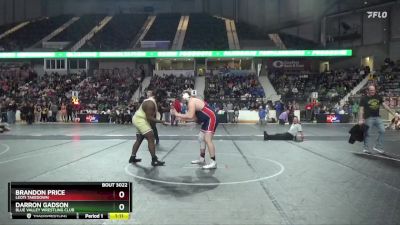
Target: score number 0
121	194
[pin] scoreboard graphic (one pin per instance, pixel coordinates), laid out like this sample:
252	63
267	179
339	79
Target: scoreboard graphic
70	200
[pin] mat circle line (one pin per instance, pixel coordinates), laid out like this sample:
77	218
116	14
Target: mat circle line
282	169
7	148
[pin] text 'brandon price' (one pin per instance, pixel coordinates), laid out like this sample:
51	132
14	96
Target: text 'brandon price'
37	194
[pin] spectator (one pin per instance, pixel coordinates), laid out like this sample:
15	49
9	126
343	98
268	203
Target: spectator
11	111
44	111
54	112
64	112
38	113
229	107
236	113
394	123
261	114
30	116
283	117
69	112
3	111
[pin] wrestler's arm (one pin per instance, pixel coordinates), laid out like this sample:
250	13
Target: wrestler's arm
150	109
190	115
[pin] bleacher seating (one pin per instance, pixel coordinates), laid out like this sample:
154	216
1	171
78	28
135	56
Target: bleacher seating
163	28
172	85
32	33
295	42
117	34
246	31
108	87
78	29
229	87
23	84
331	86
6	27
205	32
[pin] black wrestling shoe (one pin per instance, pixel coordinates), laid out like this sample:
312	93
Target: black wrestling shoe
133	159
266	136
157	163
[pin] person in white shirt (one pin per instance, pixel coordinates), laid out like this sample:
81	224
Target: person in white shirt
295	128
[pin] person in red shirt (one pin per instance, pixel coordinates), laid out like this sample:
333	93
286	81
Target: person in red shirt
178	108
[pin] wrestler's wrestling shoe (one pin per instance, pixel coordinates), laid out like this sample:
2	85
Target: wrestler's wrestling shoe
201	160
156	162
133	159
211	165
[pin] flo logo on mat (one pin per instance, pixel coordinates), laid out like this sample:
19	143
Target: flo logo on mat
377	14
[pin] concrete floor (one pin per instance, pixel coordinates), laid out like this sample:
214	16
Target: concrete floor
318	181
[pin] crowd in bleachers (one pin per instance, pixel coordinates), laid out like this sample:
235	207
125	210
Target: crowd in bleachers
205	32
118	34
172	85
331	85
231	86
45	97
108	89
23	88
388	79
35	31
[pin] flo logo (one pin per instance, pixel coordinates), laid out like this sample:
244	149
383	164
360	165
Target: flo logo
377	14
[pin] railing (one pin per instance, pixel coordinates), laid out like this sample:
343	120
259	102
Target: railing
277	40
12	30
88	36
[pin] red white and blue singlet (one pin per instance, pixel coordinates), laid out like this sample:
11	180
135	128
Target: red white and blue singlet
208	119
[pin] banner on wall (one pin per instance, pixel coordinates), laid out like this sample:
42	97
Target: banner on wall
155	44
288	64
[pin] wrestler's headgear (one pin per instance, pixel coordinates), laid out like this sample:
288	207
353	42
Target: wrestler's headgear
186	95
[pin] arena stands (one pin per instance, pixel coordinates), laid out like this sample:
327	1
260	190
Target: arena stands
108	88
293	42
248	32
331	86
117	34
171	84
78	29
163	28
388	80
6	27
205	32
24	87
243	90
32	33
